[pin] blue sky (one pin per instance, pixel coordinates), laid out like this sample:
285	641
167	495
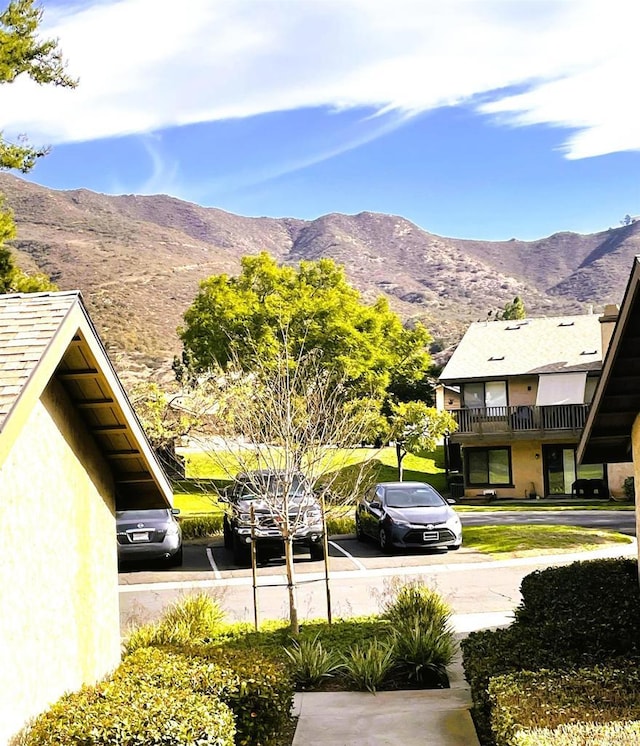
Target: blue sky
473	118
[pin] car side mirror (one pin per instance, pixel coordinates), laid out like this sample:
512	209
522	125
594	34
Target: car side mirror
375	504
175	511
451	501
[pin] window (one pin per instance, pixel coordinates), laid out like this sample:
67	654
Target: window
489	394
488	466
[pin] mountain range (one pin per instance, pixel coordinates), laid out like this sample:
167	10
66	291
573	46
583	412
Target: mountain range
138	261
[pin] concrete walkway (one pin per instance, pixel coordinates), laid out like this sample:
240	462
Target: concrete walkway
431	717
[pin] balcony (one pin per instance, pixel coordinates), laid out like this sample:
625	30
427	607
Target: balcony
521	421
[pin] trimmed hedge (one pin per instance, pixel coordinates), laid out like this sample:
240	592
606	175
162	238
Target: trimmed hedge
579	615
582	734
201	526
528	701
586	611
258	690
261	695
115	714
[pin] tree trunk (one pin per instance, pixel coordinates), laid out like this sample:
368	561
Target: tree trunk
291	584
400	454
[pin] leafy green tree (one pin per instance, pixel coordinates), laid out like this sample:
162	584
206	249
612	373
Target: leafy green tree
23	52
514	310
416	427
267	307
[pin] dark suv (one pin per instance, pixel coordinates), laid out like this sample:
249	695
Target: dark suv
270	493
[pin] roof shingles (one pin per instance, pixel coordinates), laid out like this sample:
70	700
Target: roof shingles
28	323
533	346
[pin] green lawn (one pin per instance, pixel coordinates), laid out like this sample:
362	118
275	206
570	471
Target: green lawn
520	541
429	466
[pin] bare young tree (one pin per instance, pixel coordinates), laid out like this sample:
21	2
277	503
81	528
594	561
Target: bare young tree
291	428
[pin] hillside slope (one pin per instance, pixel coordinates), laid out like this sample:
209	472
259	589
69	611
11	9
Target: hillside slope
138	261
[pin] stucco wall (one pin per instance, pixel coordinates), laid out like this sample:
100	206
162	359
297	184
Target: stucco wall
58	578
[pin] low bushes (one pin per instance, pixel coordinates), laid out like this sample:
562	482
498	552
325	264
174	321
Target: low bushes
409	646
582	734
261	694
571	618
175	687
115	714
526	702
258	690
201	526
192	618
311	662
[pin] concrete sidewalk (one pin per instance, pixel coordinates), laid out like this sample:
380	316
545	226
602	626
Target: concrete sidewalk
429	717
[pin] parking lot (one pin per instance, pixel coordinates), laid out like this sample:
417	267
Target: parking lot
209	559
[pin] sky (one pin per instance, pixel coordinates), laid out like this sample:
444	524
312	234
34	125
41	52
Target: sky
488	119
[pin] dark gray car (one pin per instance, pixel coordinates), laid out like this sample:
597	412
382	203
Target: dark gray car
408	515
268	495
149	535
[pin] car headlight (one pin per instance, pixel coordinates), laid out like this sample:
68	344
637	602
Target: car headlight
244	518
398	522
453	523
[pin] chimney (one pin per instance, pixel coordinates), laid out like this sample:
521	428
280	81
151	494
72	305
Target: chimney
607	325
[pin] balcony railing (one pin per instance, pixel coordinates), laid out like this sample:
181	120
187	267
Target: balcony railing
520	419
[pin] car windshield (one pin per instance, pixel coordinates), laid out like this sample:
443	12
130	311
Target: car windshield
274	484
142	515
413	497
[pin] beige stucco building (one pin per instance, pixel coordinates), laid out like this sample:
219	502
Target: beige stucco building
525	389
71	449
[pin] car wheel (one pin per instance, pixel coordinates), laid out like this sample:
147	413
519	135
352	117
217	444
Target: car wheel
316	550
226	532
359	532
241	552
383	541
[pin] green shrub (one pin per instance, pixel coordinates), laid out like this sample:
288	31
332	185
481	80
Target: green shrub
341	525
412	602
490	653
191	618
201	526
586	611
260	692
423	638
422	654
528	701
170	668
369	665
115	714
582	734
311	662
578	615
199	612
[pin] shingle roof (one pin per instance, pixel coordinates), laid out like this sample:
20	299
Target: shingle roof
49	336
498	349
28	323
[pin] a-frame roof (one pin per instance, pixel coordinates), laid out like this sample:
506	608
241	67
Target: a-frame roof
50	335
616	401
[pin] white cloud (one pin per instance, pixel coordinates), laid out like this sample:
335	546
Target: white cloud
145	65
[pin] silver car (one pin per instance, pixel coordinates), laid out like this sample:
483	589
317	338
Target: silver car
408	515
149	535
